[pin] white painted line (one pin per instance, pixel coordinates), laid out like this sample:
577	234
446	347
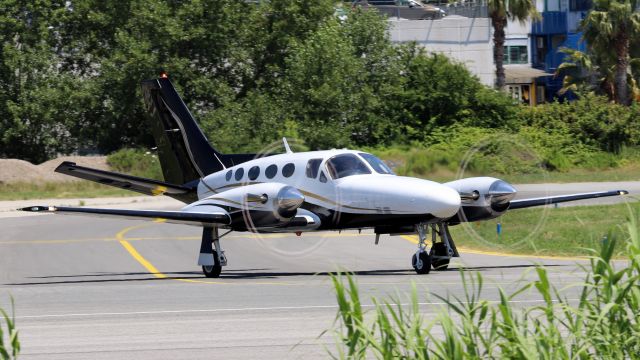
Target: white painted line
275	308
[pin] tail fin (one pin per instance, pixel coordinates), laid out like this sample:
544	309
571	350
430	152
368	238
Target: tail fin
185	153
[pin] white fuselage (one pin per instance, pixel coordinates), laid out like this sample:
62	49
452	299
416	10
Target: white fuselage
318	178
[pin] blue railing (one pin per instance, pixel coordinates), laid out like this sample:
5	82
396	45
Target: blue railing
552	22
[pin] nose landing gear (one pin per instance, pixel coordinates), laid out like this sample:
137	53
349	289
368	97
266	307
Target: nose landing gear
440	253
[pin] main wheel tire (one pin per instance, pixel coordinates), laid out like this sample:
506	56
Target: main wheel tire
424	266
439	249
213	271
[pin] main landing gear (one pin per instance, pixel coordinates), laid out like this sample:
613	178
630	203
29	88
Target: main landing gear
212	257
440	253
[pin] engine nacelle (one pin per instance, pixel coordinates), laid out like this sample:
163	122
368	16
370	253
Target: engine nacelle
483	198
258	205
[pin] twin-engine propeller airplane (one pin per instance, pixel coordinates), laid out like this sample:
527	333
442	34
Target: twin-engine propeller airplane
296	192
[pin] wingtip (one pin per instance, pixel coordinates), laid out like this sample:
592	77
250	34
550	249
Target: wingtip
37	208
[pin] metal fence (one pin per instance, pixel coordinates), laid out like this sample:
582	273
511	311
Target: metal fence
466	8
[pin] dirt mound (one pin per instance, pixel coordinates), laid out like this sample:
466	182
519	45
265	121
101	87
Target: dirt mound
14	170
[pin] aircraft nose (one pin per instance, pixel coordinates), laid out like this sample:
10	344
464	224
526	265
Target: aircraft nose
445	202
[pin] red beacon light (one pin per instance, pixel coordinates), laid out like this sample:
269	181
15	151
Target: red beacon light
163	75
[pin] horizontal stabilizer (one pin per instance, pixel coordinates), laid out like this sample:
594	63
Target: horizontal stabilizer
525	203
179	217
128	182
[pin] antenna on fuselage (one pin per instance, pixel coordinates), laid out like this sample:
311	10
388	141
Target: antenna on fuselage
286	146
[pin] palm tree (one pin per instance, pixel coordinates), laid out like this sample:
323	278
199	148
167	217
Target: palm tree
614	23
500	11
586	73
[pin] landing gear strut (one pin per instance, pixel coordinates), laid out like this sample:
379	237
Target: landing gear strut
421	261
440	253
212	257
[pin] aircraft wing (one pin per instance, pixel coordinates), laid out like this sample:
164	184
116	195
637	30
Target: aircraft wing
128	182
525	203
178	217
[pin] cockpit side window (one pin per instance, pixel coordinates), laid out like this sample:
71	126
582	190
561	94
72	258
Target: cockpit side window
378	165
345	165
312	168
323	177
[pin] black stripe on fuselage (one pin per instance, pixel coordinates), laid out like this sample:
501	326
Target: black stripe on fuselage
330	219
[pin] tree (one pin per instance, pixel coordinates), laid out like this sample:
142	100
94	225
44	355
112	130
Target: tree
614	23
501	11
584	73
40	105
440	93
343	84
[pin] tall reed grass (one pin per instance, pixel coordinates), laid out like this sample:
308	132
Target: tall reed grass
603	323
11	348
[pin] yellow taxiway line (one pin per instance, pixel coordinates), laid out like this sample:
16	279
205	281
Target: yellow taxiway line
414	239
120	236
126	243
182	238
136	255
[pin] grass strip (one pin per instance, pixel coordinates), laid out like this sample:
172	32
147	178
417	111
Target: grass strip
563	231
59	190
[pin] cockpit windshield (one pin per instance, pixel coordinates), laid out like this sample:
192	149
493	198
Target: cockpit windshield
378	165
346	165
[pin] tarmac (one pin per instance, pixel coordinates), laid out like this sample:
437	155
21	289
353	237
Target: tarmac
103	288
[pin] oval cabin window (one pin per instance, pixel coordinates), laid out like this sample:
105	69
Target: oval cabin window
253	173
288	170
271	171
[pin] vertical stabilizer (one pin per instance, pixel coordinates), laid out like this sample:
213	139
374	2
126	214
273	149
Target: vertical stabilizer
185	153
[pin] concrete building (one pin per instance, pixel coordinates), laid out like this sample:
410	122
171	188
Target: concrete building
464	39
558	28
524	82
531	49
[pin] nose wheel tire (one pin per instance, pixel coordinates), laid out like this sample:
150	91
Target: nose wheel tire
421	263
213	271
437	252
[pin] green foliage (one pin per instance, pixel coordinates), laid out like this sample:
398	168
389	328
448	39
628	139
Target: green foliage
339	81
136	162
562	231
611	29
40	105
441	93
586	73
249	72
254	72
591	121
603	323
59	190
11	348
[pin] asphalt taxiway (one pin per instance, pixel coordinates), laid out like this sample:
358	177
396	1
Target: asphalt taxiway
102	289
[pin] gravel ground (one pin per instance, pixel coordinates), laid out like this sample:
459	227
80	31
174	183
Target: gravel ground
14	170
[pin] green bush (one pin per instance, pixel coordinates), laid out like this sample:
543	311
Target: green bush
136	162
440	93
603	323
476	150
591	121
